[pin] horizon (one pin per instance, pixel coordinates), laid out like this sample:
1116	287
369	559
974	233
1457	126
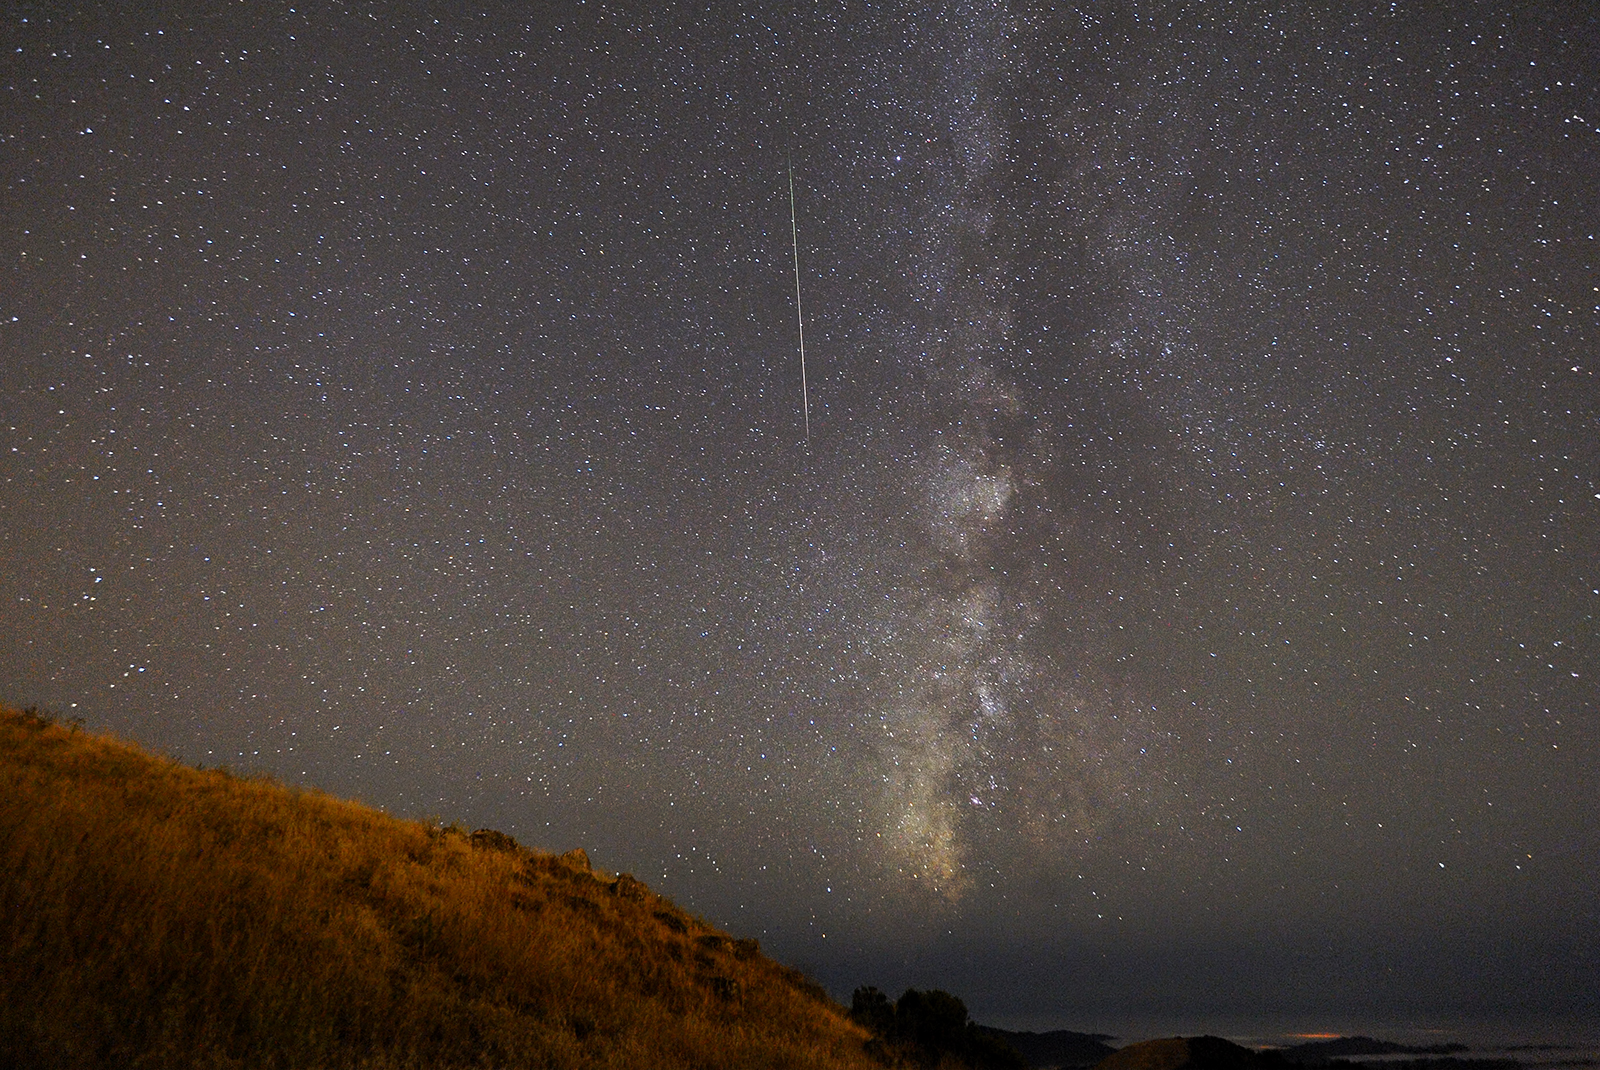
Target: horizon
1168	586
1571	1040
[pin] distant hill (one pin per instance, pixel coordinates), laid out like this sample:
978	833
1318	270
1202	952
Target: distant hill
1214	1053
1321	1051
1356	1053
1190	1053
157	915
1059	1049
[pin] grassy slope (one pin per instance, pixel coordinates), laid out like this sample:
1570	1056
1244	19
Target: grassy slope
152	914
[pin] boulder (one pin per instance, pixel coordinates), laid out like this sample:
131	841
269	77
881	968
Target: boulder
627	886
494	840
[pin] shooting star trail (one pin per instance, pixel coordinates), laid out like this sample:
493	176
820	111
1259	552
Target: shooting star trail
800	320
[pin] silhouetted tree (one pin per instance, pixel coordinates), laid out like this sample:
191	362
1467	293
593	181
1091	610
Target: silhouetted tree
926	1027
935	1021
871	1009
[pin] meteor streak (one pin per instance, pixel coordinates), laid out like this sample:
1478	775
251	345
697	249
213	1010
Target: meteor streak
800	320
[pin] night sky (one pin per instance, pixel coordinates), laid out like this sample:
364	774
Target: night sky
1184	609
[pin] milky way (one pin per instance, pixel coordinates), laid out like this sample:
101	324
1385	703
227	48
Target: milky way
1184	603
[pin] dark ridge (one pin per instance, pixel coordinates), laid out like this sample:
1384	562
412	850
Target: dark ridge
1191	1053
1436	1062
1061	1049
1320	1051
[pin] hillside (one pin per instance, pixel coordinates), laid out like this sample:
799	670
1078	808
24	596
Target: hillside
153	914
1190	1053
1060	1049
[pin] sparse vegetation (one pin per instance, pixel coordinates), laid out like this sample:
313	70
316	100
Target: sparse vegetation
157	915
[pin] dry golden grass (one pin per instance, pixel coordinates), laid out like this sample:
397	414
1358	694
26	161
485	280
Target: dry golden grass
156	915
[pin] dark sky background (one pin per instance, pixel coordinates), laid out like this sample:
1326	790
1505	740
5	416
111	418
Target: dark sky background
1184	610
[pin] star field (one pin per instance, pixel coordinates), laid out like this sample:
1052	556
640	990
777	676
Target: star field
1184	604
